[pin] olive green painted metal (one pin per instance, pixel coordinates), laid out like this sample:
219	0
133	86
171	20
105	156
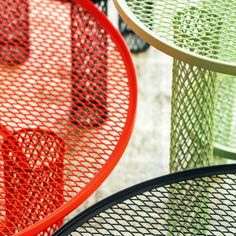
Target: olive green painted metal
157	29
201	36
191	117
134	42
194	91
225	118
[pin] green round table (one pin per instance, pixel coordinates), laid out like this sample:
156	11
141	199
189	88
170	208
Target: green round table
201	37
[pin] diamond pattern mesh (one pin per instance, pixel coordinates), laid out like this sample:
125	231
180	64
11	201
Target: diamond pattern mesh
193	93
206	28
192	116
225	116
67	96
164	11
200	205
134	42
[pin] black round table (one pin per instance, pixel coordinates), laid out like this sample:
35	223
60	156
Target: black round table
196	202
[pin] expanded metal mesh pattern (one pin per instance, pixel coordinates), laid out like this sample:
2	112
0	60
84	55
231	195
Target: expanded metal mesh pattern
135	43
225	116
68	95
193	93
210	40
191	203
192	116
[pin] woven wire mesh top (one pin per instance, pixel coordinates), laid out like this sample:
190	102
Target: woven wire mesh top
199	27
68	97
197	202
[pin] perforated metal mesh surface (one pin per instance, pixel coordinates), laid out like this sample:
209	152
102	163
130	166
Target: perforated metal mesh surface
67	100
162	23
192	117
225	116
199	27
192	203
135	43
193	93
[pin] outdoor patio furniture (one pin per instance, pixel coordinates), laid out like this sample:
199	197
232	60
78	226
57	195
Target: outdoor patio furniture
225	118
68	101
201	37
135	43
195	202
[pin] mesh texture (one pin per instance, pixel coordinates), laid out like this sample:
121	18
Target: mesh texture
65	96
225	115
192	117
135	43
164	12
193	93
202	205
205	28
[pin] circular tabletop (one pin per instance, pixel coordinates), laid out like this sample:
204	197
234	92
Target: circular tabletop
184	203
199	32
68	101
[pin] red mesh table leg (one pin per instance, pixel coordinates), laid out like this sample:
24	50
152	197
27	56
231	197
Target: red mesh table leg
39	177
89	105
38	95
14	32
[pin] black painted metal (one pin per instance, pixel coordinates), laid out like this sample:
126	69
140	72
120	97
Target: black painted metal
102	4
135	43
168	205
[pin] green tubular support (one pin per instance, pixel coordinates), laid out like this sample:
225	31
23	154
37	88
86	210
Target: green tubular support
192	116
194	92
225	118
193	105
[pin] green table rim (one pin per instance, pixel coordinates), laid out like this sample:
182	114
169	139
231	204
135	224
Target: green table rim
170	48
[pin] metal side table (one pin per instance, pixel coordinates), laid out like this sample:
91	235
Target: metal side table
201	37
195	202
68	101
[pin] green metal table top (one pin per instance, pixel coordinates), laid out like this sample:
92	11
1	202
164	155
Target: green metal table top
173	25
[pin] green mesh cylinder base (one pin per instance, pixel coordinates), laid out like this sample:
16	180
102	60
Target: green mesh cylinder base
194	91
225	118
193	101
193	104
